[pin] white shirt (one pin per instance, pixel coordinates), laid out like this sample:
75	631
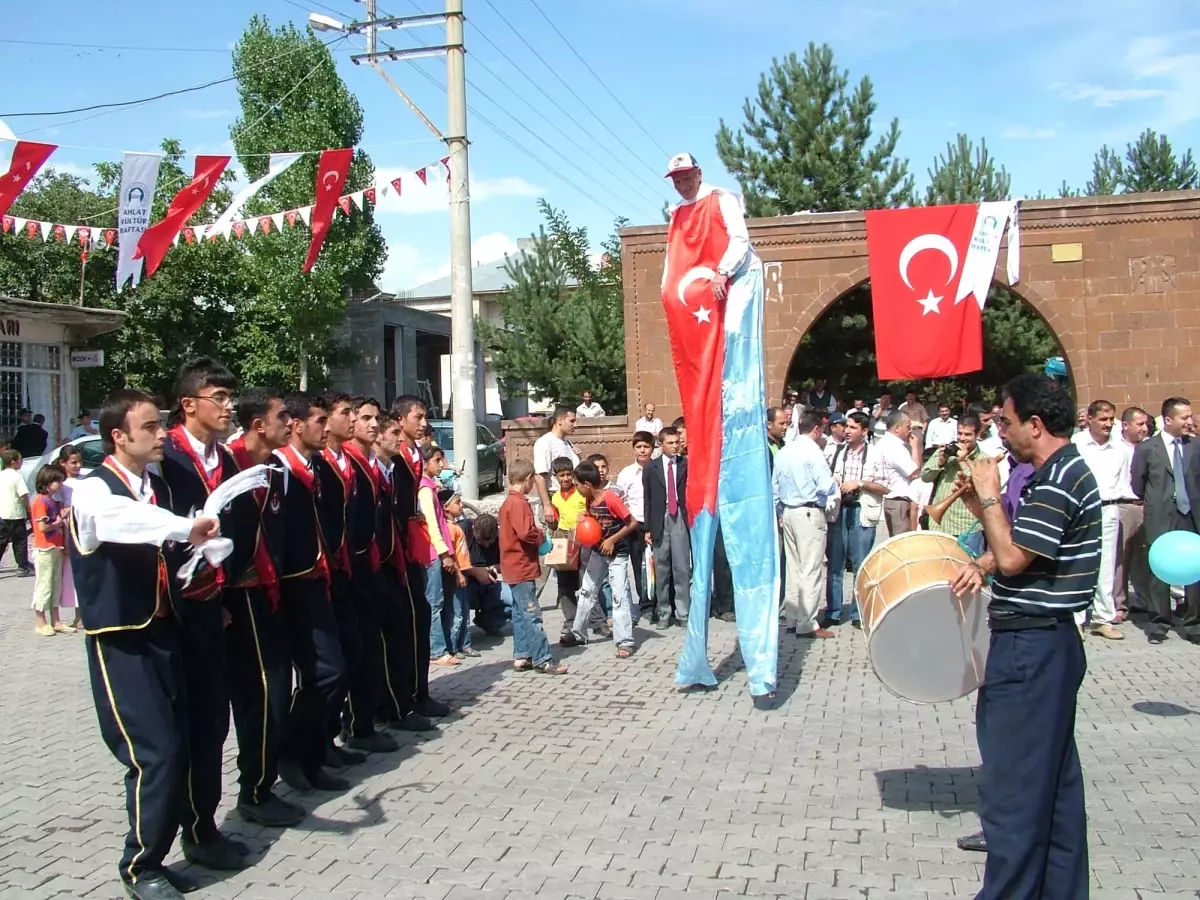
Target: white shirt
103	517
80	431
1107	462
1169	443
899	466
654	426
629	481
1127	471
12	492
591	410
992	445
546	450
210	458
738	253
939	433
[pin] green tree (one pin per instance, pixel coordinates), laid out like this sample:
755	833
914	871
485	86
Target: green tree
806	144
297	102
965	174
564	324
1150	165
1107	174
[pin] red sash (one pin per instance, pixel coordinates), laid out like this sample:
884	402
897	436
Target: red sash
342	560
298	467
164	580
418	537
183	442
358	458
264	566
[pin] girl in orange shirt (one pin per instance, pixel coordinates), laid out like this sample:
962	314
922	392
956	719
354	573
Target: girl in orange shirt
48	551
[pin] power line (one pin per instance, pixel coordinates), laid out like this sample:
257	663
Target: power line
570	89
114	47
617	99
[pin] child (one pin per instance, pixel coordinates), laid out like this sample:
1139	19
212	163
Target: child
520	539
600	461
456	616
441	553
607	562
569	504
70	460
14	511
48	550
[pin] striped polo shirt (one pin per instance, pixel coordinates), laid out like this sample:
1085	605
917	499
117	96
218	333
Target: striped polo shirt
1058	520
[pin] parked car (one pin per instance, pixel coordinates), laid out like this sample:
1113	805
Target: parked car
493	466
89	448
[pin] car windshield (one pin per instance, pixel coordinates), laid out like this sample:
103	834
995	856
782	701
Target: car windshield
443	436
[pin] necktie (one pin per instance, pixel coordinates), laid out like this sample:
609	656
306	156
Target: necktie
672	496
1182	503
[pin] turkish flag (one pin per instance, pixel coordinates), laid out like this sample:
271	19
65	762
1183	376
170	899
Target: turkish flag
156	239
916	258
332	171
696	241
27	158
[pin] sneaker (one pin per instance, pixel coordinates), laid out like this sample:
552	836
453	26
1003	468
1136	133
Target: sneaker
44	631
1107	631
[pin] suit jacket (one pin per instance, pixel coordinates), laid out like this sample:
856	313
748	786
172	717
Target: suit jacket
1153	480
654	487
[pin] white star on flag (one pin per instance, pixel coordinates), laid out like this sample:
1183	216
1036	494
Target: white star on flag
702	315
930	303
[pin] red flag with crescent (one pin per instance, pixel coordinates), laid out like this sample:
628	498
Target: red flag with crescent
28	157
332	171
157	239
696	241
916	257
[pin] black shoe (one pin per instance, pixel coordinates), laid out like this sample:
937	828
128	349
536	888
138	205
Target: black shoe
727	617
857	624
25	573
334	761
414	722
215	853
371	743
569	640
975	842
830	622
291	774
348	757
1155	637
152	886
185	884
765	701
270	812
323	781
432	709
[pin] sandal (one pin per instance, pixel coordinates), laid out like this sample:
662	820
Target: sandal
624	652
470	652
446	661
522	665
551	668
569	640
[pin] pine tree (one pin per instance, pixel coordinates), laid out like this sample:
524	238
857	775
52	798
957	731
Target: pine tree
1107	174
966	175
1150	165
805	142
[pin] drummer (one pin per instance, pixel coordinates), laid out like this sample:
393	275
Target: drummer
1044	568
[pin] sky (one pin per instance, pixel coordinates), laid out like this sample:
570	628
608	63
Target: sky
587	118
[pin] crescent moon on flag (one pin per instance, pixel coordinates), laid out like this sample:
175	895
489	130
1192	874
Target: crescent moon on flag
325	178
693	275
938	242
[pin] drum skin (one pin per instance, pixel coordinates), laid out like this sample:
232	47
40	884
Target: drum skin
925	644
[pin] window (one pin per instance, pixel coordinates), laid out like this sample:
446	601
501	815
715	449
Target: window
485	436
30	376
92	453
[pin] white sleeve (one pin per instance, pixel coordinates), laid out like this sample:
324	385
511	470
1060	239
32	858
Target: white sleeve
541	462
101	516
902	461
739	237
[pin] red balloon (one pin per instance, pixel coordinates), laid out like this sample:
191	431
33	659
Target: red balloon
587	531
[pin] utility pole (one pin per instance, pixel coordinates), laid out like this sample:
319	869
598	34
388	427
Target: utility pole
462	292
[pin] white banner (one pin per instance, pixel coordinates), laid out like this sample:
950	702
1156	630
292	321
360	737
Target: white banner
984	249
139	175
280	163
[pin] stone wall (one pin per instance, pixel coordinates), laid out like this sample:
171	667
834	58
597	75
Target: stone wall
610	435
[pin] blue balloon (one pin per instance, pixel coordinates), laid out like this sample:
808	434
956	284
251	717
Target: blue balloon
1175	558
547	545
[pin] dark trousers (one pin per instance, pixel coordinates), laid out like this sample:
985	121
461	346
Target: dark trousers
138	688
205	674
320	669
260	687
1031	787
345	616
1161	607
637	557
396	633
488	604
14	532
422	617
722	578
366	685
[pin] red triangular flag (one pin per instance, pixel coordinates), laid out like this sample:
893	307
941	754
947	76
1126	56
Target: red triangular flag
27	158
110	235
291	215
60	233
396	185
264	223
84	234
420	173
332	170
239	228
446	163
344	203
6	224
189	235
369	193
158	237
33	229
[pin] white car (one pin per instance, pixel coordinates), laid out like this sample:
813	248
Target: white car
89	448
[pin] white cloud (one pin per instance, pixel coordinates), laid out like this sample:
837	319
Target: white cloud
1175	63
207	113
432	196
1025	133
1104	97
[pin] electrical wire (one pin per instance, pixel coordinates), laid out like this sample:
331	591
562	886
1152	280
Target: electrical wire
599	80
114	46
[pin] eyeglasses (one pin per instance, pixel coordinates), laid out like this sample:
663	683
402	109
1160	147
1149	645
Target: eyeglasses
220	398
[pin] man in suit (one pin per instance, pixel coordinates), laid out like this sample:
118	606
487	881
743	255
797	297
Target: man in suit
1160	478
664	485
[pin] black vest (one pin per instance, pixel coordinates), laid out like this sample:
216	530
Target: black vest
361	510
303	548
119	585
385	524
404	496
332	501
188	494
254	517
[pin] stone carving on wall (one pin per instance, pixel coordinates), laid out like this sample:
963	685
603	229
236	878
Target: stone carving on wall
773	282
1152	274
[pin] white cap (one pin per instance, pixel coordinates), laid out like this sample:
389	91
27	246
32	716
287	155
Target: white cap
681	162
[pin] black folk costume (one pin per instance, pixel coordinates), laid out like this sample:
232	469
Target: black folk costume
406	478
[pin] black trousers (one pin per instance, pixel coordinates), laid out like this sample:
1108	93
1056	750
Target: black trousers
722	578
422	617
366	687
345	616
206	678
14	532
1161	607
260	687
138	688
320	669
1031	783
637	556
399	644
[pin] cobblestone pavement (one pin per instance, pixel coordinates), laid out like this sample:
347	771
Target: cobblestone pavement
610	784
